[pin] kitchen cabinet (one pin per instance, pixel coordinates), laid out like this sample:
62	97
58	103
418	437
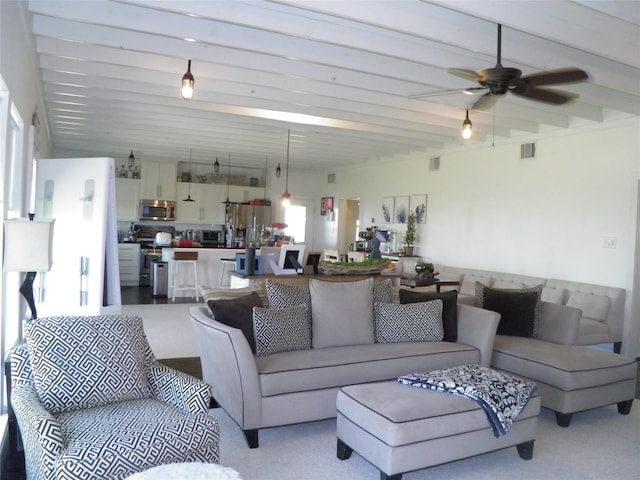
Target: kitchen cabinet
127	199
129	261
158	180
239	194
207	206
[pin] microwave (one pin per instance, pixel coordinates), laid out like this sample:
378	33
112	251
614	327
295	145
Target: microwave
163	210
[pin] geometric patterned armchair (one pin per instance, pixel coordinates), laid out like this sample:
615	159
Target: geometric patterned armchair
92	402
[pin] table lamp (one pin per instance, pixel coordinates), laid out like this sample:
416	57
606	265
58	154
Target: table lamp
28	246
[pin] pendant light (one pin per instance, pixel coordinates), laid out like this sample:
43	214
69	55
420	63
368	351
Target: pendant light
466	127
132	159
189	199
216	166
187	83
278	170
286	196
228	177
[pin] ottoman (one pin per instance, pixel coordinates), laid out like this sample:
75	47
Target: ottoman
569	378
399	428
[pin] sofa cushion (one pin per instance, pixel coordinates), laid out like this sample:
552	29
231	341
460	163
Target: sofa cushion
449	308
341	312
314	369
519	309
411	322
226	293
282	329
592	306
552	295
238	313
83	362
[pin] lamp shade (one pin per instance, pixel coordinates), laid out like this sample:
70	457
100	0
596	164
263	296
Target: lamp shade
28	245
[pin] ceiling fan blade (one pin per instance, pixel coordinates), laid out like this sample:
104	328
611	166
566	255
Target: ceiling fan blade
545	95
463	73
468	91
561	75
485	102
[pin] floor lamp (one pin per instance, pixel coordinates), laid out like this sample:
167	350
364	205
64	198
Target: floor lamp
28	246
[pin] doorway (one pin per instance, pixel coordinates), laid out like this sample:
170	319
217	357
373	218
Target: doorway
299	219
348	223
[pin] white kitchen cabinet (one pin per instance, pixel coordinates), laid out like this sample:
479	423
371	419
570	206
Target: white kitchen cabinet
207	206
127	199
239	194
158	180
129	261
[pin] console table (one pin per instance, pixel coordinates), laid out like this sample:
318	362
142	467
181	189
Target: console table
240	280
428	282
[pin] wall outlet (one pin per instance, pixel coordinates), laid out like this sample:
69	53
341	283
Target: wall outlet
609	242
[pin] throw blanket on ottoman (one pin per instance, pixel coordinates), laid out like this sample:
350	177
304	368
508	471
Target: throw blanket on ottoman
500	395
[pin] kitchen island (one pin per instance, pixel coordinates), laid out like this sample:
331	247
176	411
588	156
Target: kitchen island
209	266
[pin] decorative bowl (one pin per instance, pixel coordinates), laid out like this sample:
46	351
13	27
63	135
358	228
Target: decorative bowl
352	268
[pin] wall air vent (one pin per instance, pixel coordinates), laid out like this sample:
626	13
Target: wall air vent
331	178
434	163
528	150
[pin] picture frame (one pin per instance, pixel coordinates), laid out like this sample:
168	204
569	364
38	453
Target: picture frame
388	209
402	209
418	206
326	205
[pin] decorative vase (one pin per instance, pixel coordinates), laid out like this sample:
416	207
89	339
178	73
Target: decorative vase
421	268
408	251
250	260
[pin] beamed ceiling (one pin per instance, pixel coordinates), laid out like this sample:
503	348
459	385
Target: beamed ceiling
341	75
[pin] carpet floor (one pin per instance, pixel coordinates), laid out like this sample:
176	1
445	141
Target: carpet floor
599	444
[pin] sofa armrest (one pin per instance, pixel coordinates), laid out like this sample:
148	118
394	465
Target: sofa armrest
229	367
477	327
559	323
179	389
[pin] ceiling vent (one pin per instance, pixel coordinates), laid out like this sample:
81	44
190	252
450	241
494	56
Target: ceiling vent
528	150
331	178
434	163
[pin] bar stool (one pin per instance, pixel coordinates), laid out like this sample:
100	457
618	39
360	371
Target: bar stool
184	260
228	264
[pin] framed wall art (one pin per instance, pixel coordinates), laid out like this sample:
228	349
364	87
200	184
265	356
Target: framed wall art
402	209
326	205
388	211
419	206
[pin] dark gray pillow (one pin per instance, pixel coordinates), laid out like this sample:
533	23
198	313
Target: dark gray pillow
238	313
510	310
449	309
517	310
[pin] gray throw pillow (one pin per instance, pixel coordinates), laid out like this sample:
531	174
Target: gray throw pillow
84	362
281	330
410	322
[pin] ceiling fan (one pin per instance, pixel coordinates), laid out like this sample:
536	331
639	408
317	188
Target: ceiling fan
499	80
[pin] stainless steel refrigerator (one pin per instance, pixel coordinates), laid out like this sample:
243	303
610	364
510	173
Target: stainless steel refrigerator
245	217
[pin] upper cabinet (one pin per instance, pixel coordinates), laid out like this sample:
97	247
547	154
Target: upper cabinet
207	206
158	180
127	199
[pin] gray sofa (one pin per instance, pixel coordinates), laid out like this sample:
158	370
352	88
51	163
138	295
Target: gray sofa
602	307
299	386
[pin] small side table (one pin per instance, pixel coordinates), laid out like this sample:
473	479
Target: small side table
427	282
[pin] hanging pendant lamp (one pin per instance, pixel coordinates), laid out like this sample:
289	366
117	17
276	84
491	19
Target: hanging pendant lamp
227	202
189	199
216	166
285	200
187	83
466	127
278	170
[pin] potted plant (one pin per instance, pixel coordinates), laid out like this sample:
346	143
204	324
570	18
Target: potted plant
409	239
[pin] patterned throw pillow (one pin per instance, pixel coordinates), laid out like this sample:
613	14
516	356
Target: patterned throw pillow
382	291
519	308
410	322
449	308
281	295
282	330
226	293
238	313
83	362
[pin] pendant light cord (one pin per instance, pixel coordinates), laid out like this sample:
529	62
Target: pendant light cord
286	183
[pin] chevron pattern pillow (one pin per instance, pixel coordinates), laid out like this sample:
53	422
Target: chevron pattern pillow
83	362
409	322
282	330
281	295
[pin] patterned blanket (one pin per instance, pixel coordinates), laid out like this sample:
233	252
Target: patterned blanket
501	396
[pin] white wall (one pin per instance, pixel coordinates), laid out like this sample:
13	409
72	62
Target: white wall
544	217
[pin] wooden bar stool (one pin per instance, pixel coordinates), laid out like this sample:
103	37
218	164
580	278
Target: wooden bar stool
183	261
228	264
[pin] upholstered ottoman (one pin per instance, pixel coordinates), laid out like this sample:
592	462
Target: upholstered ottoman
570	378
399	428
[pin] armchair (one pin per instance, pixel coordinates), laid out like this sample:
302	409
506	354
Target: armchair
92	402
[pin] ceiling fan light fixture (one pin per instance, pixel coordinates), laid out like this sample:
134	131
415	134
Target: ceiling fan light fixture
467	127
187	83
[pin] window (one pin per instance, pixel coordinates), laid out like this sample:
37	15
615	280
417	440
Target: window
295	216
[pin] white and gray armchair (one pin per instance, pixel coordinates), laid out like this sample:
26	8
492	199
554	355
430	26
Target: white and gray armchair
92	402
